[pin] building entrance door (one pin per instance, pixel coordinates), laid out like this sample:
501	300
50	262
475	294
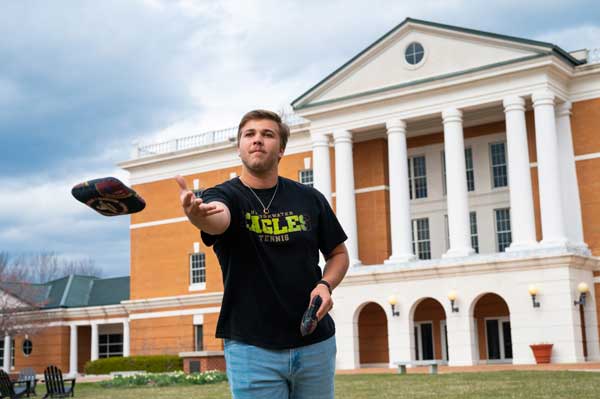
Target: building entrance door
499	340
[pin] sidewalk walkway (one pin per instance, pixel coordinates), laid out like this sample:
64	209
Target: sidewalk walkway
480	368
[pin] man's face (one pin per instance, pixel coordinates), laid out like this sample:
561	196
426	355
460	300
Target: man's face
260	145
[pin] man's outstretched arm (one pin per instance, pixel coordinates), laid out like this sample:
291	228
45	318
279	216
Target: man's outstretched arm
212	218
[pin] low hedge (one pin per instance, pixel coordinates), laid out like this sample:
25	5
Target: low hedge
165	379
151	364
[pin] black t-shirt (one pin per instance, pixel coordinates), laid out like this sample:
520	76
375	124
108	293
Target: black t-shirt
270	263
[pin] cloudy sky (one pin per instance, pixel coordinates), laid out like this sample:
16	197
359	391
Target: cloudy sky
80	80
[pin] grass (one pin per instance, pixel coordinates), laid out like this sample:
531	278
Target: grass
500	384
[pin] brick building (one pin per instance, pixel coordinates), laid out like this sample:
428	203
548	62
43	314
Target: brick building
463	166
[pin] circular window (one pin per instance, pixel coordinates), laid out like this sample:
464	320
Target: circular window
414	53
27	347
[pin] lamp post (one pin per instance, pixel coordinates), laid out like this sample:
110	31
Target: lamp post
533	291
452	298
583	290
393	301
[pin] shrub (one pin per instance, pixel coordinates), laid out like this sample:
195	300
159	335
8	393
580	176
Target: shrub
161	380
151	364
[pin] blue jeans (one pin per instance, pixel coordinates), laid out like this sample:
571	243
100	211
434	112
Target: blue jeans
300	373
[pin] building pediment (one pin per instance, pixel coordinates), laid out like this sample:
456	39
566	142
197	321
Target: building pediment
390	62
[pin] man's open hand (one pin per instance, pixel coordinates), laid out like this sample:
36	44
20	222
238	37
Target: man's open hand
194	208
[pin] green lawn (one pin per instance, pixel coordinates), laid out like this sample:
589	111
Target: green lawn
501	384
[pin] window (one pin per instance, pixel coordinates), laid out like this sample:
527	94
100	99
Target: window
198	338
27	347
110	345
503	232
447	231
498	158
197	268
414	53
420	242
469	166
306	177
474	238
417	177
12	352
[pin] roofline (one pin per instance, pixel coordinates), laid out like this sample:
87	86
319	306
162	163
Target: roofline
424	80
553	48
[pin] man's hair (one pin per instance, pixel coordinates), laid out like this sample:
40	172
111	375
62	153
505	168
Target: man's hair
260	114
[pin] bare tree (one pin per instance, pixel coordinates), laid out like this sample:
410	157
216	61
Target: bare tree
44	266
20	303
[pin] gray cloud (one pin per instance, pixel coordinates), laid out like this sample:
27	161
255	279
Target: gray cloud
80	80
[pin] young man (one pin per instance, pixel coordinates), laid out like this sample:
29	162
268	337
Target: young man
267	232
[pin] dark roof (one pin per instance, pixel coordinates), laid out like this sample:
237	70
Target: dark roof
550	48
71	292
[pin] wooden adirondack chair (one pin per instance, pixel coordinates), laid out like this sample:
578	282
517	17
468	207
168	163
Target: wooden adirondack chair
55	384
28	374
7	388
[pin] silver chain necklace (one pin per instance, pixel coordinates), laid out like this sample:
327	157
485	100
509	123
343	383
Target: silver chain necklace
265	208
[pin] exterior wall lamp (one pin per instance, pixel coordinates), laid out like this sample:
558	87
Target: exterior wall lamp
393	301
583	290
533	291
452	298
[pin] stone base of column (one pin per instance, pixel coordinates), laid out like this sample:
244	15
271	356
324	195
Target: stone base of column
400	259
565	246
355	262
459	253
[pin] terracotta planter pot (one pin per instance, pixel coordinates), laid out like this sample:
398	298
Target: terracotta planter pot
542	352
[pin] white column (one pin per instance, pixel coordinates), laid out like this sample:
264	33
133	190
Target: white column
462	348
73	351
456	183
7	350
126	339
519	176
568	178
400	337
94	355
553	225
344	188
321	164
399	196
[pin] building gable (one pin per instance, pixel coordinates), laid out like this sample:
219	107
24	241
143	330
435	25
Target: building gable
447	51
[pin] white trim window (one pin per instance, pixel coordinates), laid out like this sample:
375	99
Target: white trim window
12	352
198	337
417	177
498	165
306	176
474	237
197	268
503	231
110	345
469	167
421	243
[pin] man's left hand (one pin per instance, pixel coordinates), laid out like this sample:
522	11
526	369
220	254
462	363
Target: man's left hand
327	304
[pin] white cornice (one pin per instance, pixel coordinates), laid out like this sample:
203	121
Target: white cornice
501	72
199	160
74	313
211	298
473	265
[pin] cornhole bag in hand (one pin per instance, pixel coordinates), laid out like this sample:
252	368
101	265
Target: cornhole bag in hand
108	196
